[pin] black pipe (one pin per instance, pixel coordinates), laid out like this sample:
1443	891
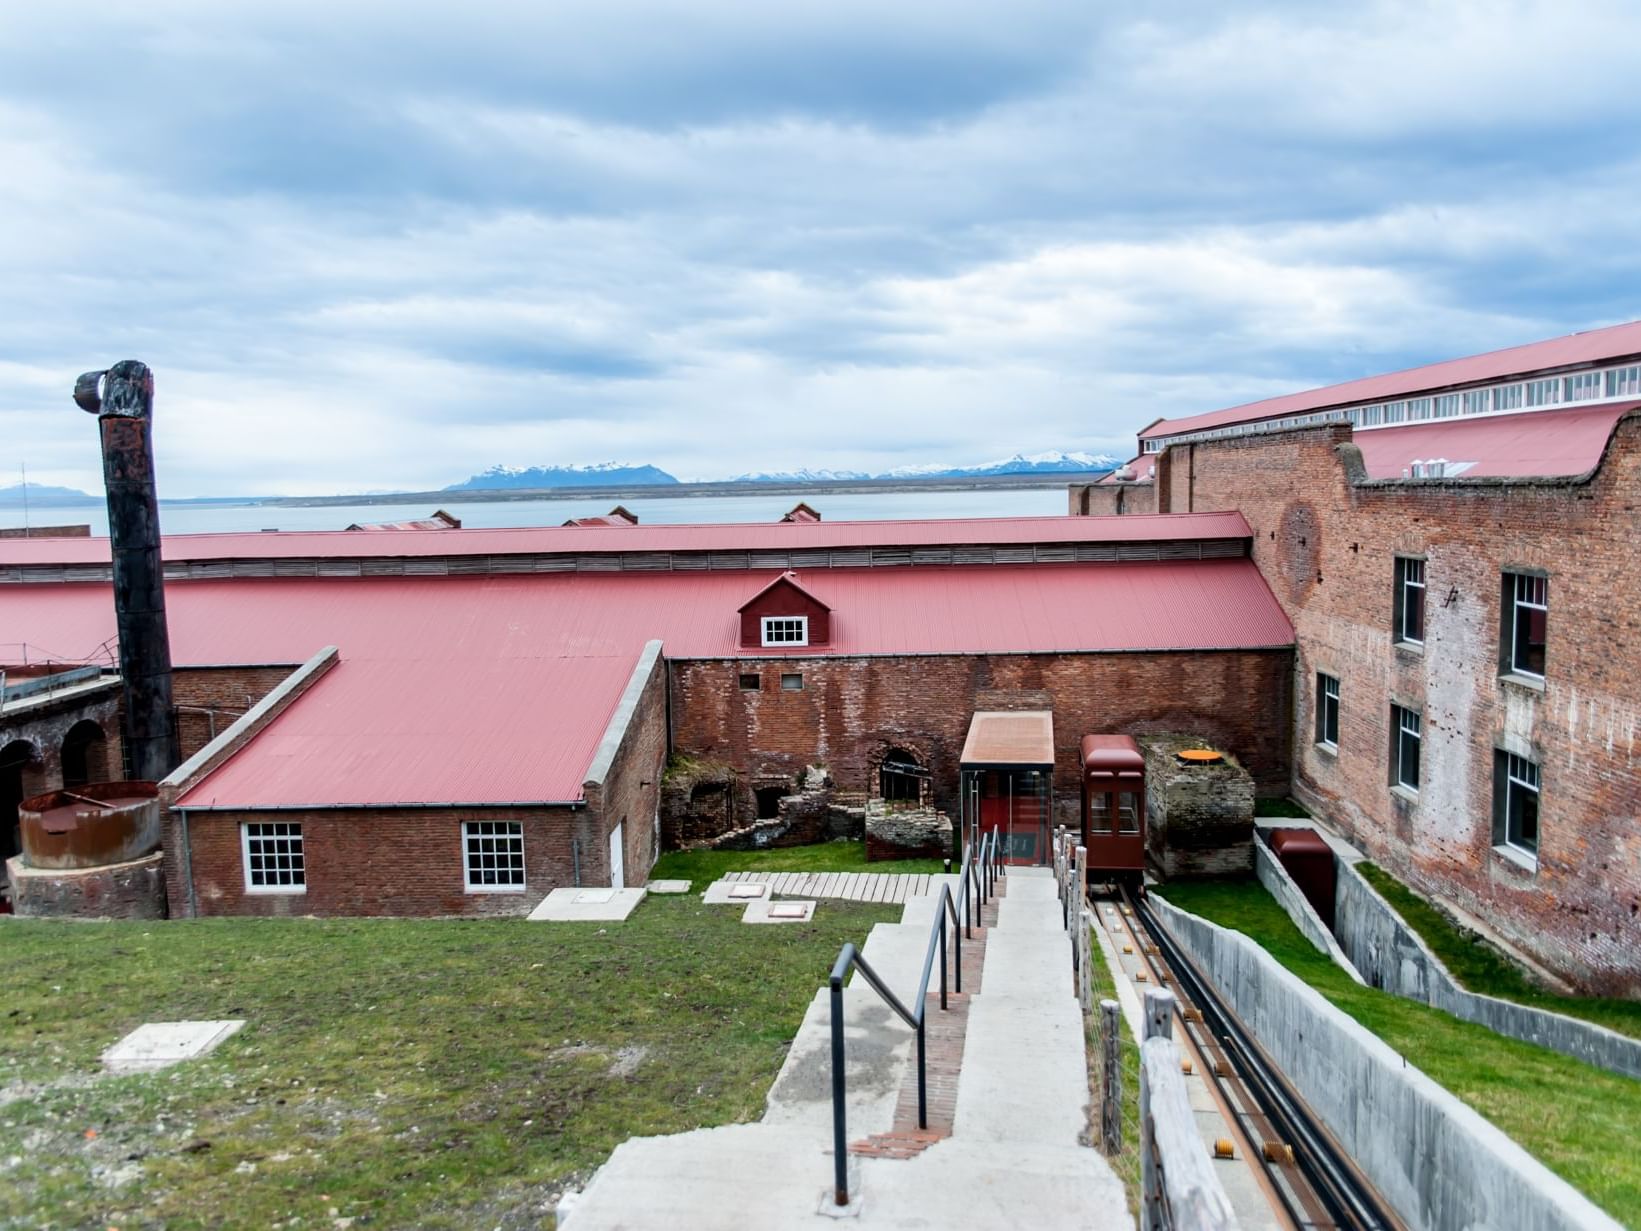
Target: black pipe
122	398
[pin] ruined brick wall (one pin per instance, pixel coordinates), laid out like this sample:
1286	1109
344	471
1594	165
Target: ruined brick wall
1326	543
375	861
132	890
850	708
1199	818
226	692
44	728
631	791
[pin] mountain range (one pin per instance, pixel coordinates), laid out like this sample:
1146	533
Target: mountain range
42	496
612	474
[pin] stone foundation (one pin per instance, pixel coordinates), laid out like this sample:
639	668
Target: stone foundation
1200	818
898	831
134	890
816	813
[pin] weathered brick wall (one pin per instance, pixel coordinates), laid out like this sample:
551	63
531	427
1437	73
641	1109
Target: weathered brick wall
227	692
1326	545
133	890
45	727
1199	818
365	861
850	709
1108	499
631	791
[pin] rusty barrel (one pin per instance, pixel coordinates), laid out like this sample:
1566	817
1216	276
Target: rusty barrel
90	826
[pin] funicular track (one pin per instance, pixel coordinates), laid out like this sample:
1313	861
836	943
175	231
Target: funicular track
1309	1180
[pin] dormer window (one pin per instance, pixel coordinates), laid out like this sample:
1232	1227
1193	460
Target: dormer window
785	630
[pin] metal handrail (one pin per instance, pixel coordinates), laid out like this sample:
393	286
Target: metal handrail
978	878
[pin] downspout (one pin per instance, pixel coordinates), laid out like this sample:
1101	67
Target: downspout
188	866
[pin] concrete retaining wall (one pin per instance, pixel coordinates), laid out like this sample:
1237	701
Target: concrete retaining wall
1392	956
1292	899
1440	1164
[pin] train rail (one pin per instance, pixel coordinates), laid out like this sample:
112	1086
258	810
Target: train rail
1308	1179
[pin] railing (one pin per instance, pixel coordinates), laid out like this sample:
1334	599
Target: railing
978	880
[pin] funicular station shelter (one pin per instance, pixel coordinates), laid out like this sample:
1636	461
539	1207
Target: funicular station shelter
1007	782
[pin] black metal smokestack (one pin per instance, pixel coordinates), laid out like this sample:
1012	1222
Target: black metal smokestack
122	398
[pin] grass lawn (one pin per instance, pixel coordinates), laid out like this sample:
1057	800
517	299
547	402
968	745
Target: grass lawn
1287	807
1126	1162
1479	968
841	856
1580	1121
426	1073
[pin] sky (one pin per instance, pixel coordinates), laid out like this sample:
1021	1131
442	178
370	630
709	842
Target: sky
383	246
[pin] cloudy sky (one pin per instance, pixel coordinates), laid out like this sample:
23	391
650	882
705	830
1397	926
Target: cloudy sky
385	245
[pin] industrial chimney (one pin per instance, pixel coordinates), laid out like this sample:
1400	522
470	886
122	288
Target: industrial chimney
122	398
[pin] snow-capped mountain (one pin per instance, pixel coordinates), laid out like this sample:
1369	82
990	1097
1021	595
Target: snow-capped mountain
600	474
1053	462
805	475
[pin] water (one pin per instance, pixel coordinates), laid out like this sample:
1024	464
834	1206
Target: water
854	506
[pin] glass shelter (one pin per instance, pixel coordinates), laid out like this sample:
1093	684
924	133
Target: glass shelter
1007	782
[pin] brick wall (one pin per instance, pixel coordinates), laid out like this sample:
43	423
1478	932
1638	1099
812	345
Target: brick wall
631	790
1326	538
225	691
850	709
1108	499
44	727
375	861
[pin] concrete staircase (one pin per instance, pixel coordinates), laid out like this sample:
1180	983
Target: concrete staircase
1014	1152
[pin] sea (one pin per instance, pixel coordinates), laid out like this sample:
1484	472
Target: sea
215	518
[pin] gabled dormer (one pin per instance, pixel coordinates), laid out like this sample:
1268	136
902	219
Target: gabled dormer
783	616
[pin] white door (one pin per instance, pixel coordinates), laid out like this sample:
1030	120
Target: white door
617	872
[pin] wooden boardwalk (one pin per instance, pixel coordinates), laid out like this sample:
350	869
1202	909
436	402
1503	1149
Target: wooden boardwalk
855	886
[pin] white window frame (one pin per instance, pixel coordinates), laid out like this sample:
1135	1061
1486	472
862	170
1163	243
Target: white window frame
1520	772
292	830
776	629
1530	592
1327	690
1409	577
515	830
1405	722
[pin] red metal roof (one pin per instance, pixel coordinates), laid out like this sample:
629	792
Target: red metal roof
737	537
497	689
1546	443
1591	346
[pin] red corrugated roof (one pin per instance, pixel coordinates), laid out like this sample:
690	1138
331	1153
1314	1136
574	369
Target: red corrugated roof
1589	347
738	537
1545	443
497	689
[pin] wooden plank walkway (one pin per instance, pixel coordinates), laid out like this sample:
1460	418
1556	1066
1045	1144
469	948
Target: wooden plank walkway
893	887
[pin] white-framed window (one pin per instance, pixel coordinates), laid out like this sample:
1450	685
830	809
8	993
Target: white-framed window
1621	382
1327	710
1406	727
1407	619
786	630
1515	802
1524	624
493	856
274	860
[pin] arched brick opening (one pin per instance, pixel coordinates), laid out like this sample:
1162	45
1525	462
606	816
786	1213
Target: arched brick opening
901	774
85	755
22	775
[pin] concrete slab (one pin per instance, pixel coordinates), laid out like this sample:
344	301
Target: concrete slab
733	892
159	1045
594	905
669	886
784	911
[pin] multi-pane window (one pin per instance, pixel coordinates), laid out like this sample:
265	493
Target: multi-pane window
1621	382
1405	728
1327	710
786	630
273	857
1515	802
1408	618
493	855
1522	631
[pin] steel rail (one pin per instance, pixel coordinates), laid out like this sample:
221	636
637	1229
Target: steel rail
1347	1195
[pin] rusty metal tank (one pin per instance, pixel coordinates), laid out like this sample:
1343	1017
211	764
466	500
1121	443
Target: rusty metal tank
91	826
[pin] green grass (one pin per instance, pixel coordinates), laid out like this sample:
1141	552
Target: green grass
841	856
1284	807
1579	1121
1126	1162
426	1073
1480	968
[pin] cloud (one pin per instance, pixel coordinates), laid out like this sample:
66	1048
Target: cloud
371	246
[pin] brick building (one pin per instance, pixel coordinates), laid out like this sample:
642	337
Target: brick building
1456	548
455	723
